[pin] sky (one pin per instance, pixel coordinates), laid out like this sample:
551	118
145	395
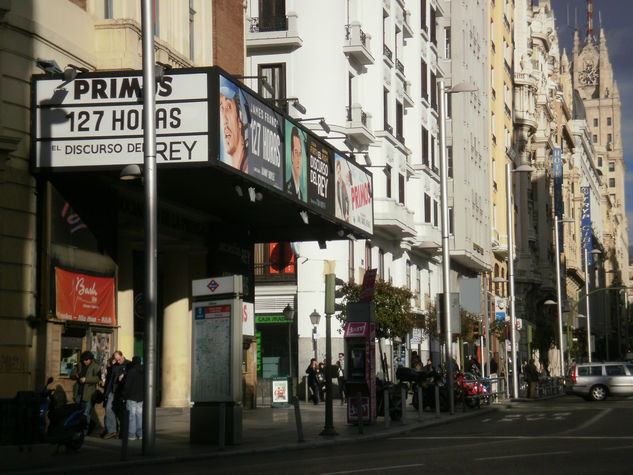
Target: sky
616	18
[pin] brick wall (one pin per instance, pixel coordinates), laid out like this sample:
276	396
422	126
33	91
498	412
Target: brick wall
228	36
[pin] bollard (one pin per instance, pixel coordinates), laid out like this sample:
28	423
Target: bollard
403	397
222	424
295	403
385	405
437	401
359	413
420	403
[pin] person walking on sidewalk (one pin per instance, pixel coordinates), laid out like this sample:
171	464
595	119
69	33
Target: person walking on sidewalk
109	420
87	375
132	396
313	382
340	376
531	377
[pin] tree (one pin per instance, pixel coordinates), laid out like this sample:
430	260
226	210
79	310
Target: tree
393	308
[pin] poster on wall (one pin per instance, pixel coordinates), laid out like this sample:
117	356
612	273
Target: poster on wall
84	298
320	176
101	347
251	135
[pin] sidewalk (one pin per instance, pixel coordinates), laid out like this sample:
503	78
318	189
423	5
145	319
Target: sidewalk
264	430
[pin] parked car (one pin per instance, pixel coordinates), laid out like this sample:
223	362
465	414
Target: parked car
596	381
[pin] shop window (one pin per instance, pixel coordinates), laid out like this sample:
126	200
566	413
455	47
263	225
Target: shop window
71	349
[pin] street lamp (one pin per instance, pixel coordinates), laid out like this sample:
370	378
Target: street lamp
594	252
461	87
559	297
509	206
315	317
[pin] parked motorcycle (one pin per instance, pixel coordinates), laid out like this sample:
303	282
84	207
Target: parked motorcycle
395	399
427	379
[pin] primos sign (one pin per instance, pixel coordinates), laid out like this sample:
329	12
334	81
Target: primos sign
203	118
96	121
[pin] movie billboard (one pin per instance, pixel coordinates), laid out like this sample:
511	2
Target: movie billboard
296	164
251	135
320	176
354	195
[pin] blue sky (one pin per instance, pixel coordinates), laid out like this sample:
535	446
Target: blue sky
616	21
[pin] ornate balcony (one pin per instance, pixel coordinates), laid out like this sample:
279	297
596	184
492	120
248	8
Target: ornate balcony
357	44
393	217
359	125
273	33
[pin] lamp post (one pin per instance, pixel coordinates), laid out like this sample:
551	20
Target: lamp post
511	296
151	274
315	317
594	252
559	297
446	267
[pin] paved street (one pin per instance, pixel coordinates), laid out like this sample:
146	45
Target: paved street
565	435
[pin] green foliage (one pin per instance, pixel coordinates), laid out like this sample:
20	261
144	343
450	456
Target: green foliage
393	308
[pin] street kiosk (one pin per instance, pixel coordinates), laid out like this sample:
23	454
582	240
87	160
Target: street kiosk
216	363
360	361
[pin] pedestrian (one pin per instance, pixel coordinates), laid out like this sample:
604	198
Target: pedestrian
416	364
313	382
87	375
340	376
132	396
531	377
110	419
118	406
321	375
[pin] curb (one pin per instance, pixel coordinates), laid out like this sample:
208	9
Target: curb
325	442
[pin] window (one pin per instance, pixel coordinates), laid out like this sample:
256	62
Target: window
611	166
427	208
388	180
108	13
594	138
401	184
609	121
385	107
433	27
435	214
449	105
350	95
408	275
367	255
609	138
450	221
433	91
595	122
433	166
425	146
399	121
425	83
611	182
615	370
272	15
275	75
192	15
156	19
600	161
447	42
590	371
423	15
449	160
381	264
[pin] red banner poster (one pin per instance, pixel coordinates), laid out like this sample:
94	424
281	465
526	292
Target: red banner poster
84	298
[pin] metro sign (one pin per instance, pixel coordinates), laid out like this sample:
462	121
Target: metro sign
213	285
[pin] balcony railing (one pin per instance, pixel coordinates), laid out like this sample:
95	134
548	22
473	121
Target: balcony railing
399	66
268	23
388	128
387	52
357	44
362	35
350	118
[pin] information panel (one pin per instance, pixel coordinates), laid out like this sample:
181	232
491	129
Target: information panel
213	329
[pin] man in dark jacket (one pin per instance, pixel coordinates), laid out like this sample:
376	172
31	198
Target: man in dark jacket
87	375
132	395
110	419
531	377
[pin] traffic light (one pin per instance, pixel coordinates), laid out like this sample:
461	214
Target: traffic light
333	290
